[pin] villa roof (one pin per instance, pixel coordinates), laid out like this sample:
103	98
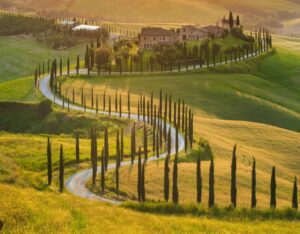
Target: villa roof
211	28
157	32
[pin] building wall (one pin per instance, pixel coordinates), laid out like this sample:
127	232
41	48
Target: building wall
188	33
148	42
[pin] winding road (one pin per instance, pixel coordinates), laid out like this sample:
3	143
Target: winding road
76	184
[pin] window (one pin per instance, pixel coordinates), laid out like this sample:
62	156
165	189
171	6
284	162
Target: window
164	38
154	38
145	38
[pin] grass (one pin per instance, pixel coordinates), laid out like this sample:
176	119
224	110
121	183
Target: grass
30	211
228	213
20	55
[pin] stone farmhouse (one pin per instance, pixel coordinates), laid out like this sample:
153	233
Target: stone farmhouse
153	36
190	32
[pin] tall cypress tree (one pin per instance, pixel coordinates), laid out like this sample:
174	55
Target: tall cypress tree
143	190
122	145
166	178
295	195
128	104
106	148
133	148
120	105
68	66
175	180
117	165
102	171
78	65
199	179
49	161
139	182
273	189
61	169
145	143
230	20
253	190
77	149
211	189
233	178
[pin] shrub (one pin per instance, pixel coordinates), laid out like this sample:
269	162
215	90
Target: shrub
44	108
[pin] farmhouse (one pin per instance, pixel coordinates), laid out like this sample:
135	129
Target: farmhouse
214	30
190	32
153	36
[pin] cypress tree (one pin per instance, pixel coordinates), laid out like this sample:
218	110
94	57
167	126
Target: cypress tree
92	98
120	105
78	65
61	169
122	145
175	111
116	102
97	104
253	190
104	102
295	195
94	155
68	66
169	141
143	190
153	139
151	107
128	104
133	144
77	149
102	171
170	108
273	189
183	116
175	178
117	165
211	196
49	161
145	143
199	179
109	106
230	20
60	66
139	182
157	143
166	178
106	148
233	178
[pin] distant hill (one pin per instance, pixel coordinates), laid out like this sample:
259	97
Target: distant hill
255	12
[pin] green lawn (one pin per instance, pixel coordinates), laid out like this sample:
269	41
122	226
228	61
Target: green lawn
20	55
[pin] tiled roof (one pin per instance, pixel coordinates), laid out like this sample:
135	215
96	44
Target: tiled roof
157	32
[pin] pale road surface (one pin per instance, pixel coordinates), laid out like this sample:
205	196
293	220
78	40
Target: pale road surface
76	184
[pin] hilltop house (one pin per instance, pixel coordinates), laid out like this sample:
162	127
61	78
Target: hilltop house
214	30
194	33
153	36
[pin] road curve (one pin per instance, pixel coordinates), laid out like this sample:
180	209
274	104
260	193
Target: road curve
76	183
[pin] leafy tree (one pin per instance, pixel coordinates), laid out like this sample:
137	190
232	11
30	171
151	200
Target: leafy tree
125	55
233	178
253	190
49	161
103	53
273	189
